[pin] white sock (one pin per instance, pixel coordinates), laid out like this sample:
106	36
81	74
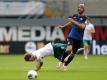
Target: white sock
86	52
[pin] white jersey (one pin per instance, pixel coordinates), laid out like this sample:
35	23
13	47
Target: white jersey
45	51
87	34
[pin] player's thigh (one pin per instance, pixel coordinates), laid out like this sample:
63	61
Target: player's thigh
69	47
76	45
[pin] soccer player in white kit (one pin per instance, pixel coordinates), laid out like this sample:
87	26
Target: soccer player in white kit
52	49
89	29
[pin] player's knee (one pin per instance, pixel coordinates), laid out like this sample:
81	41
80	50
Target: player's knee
69	48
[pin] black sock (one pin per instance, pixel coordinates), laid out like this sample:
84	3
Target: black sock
69	60
64	56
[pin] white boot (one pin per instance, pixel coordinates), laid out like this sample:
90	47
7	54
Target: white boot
59	65
65	67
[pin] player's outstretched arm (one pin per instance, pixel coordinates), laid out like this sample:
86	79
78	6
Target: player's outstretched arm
39	65
65	25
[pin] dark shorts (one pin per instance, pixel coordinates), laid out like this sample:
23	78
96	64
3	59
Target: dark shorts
76	44
86	42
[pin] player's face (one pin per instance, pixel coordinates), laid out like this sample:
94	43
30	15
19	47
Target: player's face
80	9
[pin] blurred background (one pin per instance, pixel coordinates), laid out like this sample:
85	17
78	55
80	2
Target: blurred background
22	21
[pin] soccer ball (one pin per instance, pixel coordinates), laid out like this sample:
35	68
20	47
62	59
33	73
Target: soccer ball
32	74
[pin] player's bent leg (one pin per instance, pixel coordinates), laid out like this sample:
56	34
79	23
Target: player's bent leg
64	56
59	65
70	58
86	51
67	52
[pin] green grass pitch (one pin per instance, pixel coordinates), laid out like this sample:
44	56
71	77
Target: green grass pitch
13	67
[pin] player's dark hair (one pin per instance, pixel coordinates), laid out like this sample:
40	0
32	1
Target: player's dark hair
27	57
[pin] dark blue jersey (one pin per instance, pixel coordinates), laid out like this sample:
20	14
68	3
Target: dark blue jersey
76	32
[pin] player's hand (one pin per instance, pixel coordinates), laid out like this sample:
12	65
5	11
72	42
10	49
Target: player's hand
36	69
71	20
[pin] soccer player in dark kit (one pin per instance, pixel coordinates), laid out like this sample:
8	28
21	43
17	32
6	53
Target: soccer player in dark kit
75	38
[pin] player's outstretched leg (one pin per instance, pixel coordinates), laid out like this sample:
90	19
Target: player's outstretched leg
59	65
64	56
70	58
